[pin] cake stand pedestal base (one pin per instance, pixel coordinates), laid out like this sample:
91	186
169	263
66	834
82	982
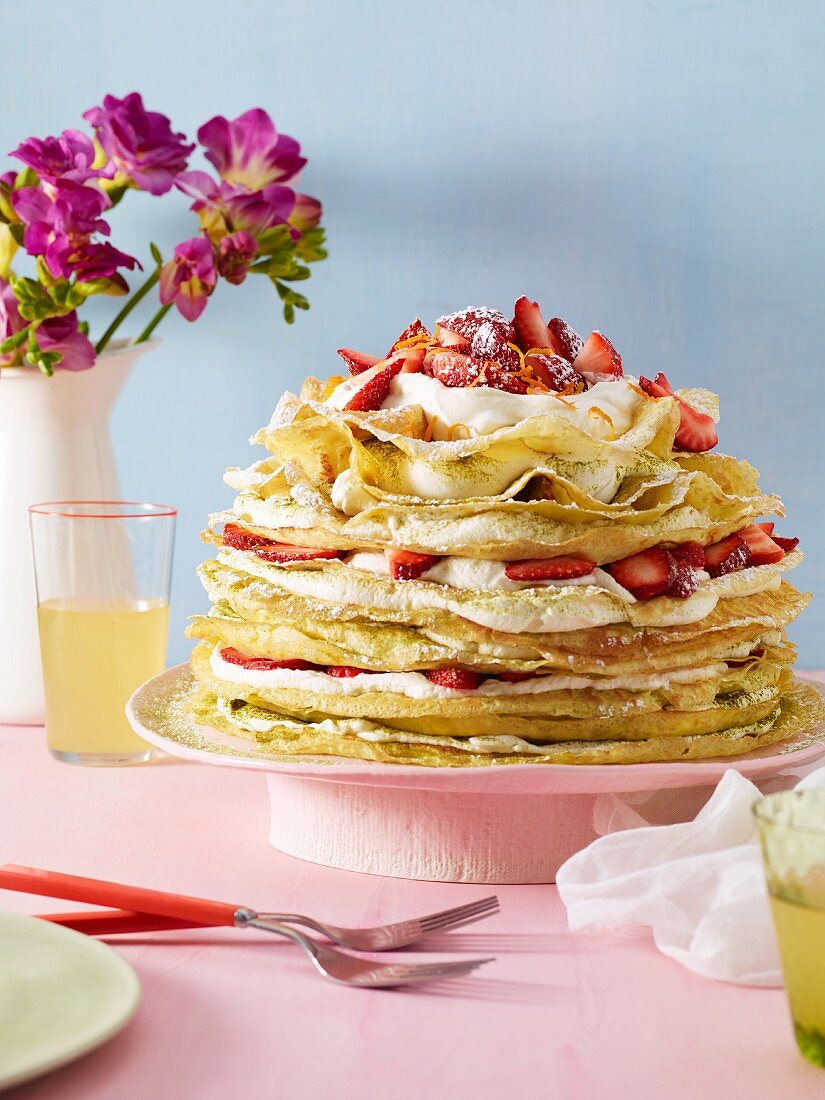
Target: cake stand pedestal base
449	836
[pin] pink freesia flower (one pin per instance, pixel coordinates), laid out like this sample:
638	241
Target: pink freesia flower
68	157
140	143
235	255
306	214
59	228
61	335
226	209
189	277
249	152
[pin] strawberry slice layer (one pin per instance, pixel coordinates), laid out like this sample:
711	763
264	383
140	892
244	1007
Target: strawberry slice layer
234	657
764	550
786	544
545	569
282	552
376	387
697	431
357	361
727	556
346	672
645	574
459	679
686	563
598	360
240	539
406	565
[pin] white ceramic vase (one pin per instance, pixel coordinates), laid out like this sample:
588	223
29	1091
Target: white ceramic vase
54	445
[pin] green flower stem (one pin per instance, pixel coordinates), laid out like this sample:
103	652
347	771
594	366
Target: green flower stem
153	324
135	300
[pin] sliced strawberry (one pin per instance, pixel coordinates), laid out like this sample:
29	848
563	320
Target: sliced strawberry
598	359
405	565
515	677
727	556
645	574
657	387
689	553
492	343
764	551
240	539
451	368
467	322
235	657
546	569
345	672
766	526
786	544
375	389
530	327
417	328
686	562
283	552
697	430
412	359
357	361
459	679
449	339
564	340
556	373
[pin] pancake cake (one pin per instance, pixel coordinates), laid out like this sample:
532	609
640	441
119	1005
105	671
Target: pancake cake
493	546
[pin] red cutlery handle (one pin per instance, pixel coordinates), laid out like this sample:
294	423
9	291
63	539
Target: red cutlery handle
111	922
55	884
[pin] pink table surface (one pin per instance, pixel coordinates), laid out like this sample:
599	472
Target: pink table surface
232	1013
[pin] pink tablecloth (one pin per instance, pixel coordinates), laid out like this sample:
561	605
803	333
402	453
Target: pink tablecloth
237	1014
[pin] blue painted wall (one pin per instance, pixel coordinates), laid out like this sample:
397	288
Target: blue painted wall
653	169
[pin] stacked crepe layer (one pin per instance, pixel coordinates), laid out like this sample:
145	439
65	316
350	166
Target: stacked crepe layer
608	678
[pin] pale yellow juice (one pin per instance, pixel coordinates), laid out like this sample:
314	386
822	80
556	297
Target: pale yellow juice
95	653
800	930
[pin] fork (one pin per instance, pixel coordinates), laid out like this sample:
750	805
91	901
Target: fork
344	969
390	937
386	937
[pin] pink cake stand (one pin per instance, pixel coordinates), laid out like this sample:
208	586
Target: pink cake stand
511	824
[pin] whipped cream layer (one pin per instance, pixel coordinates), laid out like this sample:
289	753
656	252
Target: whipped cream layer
415	685
341	583
482	410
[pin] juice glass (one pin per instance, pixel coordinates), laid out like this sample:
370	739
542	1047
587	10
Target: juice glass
102	570
792	833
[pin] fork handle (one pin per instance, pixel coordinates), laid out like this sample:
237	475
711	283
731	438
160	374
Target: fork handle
111	922
55	884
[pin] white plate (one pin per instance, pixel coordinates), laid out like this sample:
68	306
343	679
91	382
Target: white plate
61	995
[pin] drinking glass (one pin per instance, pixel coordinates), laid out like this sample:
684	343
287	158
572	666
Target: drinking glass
103	571
792	833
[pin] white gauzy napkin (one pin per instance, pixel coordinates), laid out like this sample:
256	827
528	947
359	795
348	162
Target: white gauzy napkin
699	885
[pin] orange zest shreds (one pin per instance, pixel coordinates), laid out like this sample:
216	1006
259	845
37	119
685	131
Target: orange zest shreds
429	430
636	389
518	352
332	384
457	432
412	341
569	404
540	351
595	413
